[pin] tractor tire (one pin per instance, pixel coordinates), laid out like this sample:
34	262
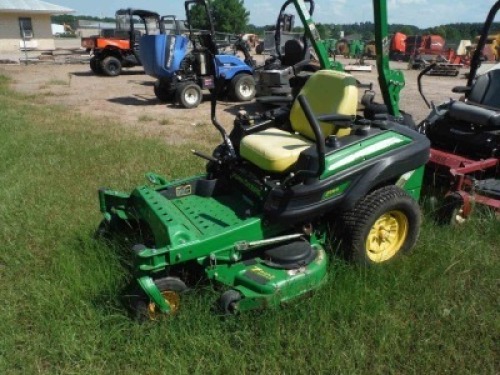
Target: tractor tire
145	310
188	95
95	66
242	87
163	92
111	66
382	225
259	49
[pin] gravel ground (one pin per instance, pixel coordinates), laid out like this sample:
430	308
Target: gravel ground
129	98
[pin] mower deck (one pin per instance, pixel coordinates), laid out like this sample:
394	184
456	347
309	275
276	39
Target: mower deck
221	230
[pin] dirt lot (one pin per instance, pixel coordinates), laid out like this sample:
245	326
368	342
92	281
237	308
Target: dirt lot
129	98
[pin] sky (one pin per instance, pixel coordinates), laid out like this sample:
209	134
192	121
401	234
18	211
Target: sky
421	13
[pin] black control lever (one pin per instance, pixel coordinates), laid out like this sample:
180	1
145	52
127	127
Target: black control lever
342	121
257	127
205	156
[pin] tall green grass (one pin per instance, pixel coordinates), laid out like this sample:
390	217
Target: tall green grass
434	312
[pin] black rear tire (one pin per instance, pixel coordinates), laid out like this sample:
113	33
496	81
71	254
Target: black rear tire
95	66
111	66
382	226
259	49
188	95
163	92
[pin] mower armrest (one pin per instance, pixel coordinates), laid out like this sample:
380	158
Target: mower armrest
258	127
461	89
275	100
301	64
342	121
474	114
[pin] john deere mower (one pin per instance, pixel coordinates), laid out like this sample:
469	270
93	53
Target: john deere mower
276	191
465	140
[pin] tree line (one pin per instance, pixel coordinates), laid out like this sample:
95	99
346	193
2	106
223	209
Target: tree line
231	16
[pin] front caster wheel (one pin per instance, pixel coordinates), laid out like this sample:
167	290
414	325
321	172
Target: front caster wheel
188	95
228	302
452	210
243	87
170	287
382	226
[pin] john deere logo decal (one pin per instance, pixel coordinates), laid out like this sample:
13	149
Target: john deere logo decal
183	190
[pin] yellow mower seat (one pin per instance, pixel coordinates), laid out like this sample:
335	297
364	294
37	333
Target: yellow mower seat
327	92
273	149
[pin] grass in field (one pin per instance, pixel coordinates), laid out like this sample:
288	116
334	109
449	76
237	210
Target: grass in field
434	312
57	82
165	121
145	118
54	82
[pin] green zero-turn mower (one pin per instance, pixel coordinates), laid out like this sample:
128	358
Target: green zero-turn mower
258	222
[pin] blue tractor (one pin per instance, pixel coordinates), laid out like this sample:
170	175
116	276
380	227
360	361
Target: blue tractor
182	65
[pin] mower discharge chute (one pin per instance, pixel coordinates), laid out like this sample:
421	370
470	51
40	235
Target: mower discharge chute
182	68
279	188
465	141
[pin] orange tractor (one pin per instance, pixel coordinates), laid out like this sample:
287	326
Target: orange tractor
430	50
121	50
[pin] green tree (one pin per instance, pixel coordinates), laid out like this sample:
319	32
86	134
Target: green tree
452	34
368	35
229	16
407	30
198	17
438	30
323	30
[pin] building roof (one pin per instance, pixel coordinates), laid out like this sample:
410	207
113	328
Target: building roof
32	6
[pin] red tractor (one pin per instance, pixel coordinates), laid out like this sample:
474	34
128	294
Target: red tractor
121	50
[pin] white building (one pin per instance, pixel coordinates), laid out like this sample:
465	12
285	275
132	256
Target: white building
27	24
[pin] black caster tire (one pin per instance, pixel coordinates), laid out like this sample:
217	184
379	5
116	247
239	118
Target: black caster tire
228	302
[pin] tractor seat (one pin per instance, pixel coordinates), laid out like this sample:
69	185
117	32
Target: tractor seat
483	102
327	92
486	90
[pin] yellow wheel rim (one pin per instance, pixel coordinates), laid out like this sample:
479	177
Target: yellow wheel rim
173	300
386	236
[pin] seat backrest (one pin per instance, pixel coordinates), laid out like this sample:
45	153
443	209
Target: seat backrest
486	90
293	52
327	92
